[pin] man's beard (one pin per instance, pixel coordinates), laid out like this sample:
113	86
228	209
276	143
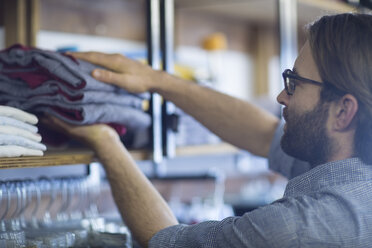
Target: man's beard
306	137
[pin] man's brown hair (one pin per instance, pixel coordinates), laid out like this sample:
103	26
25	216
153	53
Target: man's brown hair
342	49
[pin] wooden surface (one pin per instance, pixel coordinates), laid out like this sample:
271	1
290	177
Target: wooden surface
85	156
222	148
56	158
51	158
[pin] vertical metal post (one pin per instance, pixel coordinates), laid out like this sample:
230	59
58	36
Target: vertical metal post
167	48
288	32
153	54
32	21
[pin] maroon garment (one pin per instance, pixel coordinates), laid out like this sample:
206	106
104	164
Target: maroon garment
35	74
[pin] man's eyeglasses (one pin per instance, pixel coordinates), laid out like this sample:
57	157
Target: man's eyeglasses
291	78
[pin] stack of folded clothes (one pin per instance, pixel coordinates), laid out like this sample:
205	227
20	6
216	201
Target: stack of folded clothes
42	81
18	134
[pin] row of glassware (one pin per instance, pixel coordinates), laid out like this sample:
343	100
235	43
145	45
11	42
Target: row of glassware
59	212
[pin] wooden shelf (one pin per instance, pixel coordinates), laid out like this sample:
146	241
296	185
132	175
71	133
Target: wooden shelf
85	156
50	158
56	158
198	150
140	155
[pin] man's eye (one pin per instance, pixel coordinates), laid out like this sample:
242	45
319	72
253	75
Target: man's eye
295	81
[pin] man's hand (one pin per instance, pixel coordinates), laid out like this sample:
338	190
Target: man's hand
125	73
91	135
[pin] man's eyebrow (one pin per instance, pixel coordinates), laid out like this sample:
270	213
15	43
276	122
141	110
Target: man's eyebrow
294	70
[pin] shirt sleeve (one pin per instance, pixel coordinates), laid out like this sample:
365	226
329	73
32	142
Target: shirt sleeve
270	226
281	162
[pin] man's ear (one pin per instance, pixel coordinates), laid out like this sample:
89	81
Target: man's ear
345	112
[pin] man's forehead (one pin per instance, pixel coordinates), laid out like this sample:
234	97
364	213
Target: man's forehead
305	65
303	57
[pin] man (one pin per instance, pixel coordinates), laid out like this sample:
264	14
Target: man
328	111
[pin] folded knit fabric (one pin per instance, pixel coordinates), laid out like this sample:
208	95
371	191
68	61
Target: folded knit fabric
89	97
44	81
17	151
18	114
9	139
35	66
4	129
82	114
7	121
18	87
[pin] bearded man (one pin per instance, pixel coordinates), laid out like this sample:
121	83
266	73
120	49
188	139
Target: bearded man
326	140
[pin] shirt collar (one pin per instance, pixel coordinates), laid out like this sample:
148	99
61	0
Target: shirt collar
330	174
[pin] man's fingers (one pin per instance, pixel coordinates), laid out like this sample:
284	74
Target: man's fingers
122	72
114	62
110	77
106	76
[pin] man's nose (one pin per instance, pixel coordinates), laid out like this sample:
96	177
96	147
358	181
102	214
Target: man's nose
283	98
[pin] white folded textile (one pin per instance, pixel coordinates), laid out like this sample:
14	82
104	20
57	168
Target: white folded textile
18	114
18	151
8	121
4	129
8	139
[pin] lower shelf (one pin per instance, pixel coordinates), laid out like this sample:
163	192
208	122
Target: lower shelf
50	158
85	156
221	148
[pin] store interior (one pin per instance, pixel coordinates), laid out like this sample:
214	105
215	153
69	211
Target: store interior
238	47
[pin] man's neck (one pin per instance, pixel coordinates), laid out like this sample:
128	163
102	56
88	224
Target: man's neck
342	151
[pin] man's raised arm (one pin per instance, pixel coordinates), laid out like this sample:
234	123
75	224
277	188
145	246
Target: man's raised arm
235	121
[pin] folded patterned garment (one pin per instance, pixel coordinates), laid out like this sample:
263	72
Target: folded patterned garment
9	139
18	151
44	81
92	113
82	114
18	87
18	114
35	66
7	121
89	97
4	129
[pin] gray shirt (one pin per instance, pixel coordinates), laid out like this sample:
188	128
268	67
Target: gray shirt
327	206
